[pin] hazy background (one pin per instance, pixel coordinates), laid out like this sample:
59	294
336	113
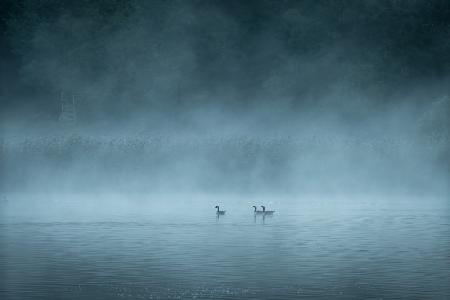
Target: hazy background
335	114
226	96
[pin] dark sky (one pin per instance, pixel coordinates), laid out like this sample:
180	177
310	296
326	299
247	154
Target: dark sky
175	55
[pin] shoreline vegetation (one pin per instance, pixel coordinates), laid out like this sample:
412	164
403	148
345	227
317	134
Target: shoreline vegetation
227	164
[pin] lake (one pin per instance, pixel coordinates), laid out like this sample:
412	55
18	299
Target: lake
153	247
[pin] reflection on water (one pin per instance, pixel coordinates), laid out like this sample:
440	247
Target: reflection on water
369	252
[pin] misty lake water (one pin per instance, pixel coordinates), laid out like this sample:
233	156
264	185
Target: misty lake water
82	247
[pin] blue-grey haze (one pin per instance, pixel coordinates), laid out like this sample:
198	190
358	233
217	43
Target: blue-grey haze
124	123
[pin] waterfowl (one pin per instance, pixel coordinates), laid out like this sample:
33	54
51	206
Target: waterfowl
257	212
219	212
267	212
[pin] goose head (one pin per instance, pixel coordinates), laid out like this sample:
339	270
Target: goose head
263	207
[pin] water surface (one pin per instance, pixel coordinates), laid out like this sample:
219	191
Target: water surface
323	249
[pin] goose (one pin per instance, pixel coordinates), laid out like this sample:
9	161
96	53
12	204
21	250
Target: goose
219	212
257	212
267	212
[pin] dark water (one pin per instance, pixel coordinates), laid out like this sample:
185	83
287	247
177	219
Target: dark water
326	251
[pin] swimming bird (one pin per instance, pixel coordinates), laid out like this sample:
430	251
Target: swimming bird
219	212
257	212
267	212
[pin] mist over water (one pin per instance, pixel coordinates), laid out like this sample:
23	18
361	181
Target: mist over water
124	123
218	96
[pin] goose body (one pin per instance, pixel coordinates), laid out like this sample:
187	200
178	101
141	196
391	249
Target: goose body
267	212
219	212
257	212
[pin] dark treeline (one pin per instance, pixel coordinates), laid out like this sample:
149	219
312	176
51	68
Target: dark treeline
175	55
372	72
